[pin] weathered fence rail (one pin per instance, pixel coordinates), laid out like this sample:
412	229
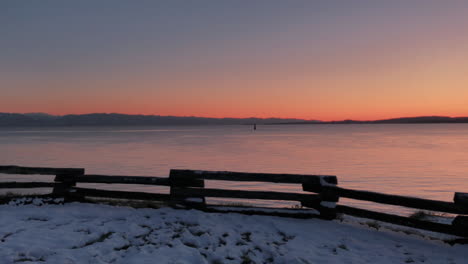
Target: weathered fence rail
187	188
39	170
61	188
78	193
411	202
322	203
458	226
23	185
399	220
145	180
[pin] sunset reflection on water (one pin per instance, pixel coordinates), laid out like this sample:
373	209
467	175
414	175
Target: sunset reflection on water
428	161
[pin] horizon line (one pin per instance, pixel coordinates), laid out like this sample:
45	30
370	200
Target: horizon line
228	117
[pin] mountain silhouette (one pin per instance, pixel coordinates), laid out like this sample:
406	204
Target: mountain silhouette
41	119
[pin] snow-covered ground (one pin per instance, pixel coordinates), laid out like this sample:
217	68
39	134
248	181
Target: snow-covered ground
90	233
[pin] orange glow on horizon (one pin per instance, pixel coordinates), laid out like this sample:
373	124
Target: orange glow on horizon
362	88
331	117
360	61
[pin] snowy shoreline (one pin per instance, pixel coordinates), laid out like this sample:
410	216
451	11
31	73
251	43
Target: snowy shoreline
92	233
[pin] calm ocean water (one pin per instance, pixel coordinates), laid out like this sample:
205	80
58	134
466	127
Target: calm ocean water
423	160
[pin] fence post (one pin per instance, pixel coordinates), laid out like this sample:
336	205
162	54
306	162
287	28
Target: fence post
326	188
179	182
460	223
63	184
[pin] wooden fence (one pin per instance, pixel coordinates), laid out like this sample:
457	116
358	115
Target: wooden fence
187	188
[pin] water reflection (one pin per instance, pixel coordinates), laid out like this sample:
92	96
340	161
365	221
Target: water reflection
427	161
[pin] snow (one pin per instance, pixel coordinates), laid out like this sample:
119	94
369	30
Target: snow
323	182
194	200
328	204
34	232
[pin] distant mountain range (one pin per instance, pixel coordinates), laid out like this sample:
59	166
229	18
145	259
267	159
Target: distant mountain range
401	120
41	119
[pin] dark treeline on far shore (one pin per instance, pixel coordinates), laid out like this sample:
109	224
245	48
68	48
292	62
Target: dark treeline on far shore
41	119
401	120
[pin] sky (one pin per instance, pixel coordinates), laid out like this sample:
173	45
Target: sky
326	60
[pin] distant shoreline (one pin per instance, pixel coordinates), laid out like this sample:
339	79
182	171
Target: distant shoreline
100	120
401	120
374	123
